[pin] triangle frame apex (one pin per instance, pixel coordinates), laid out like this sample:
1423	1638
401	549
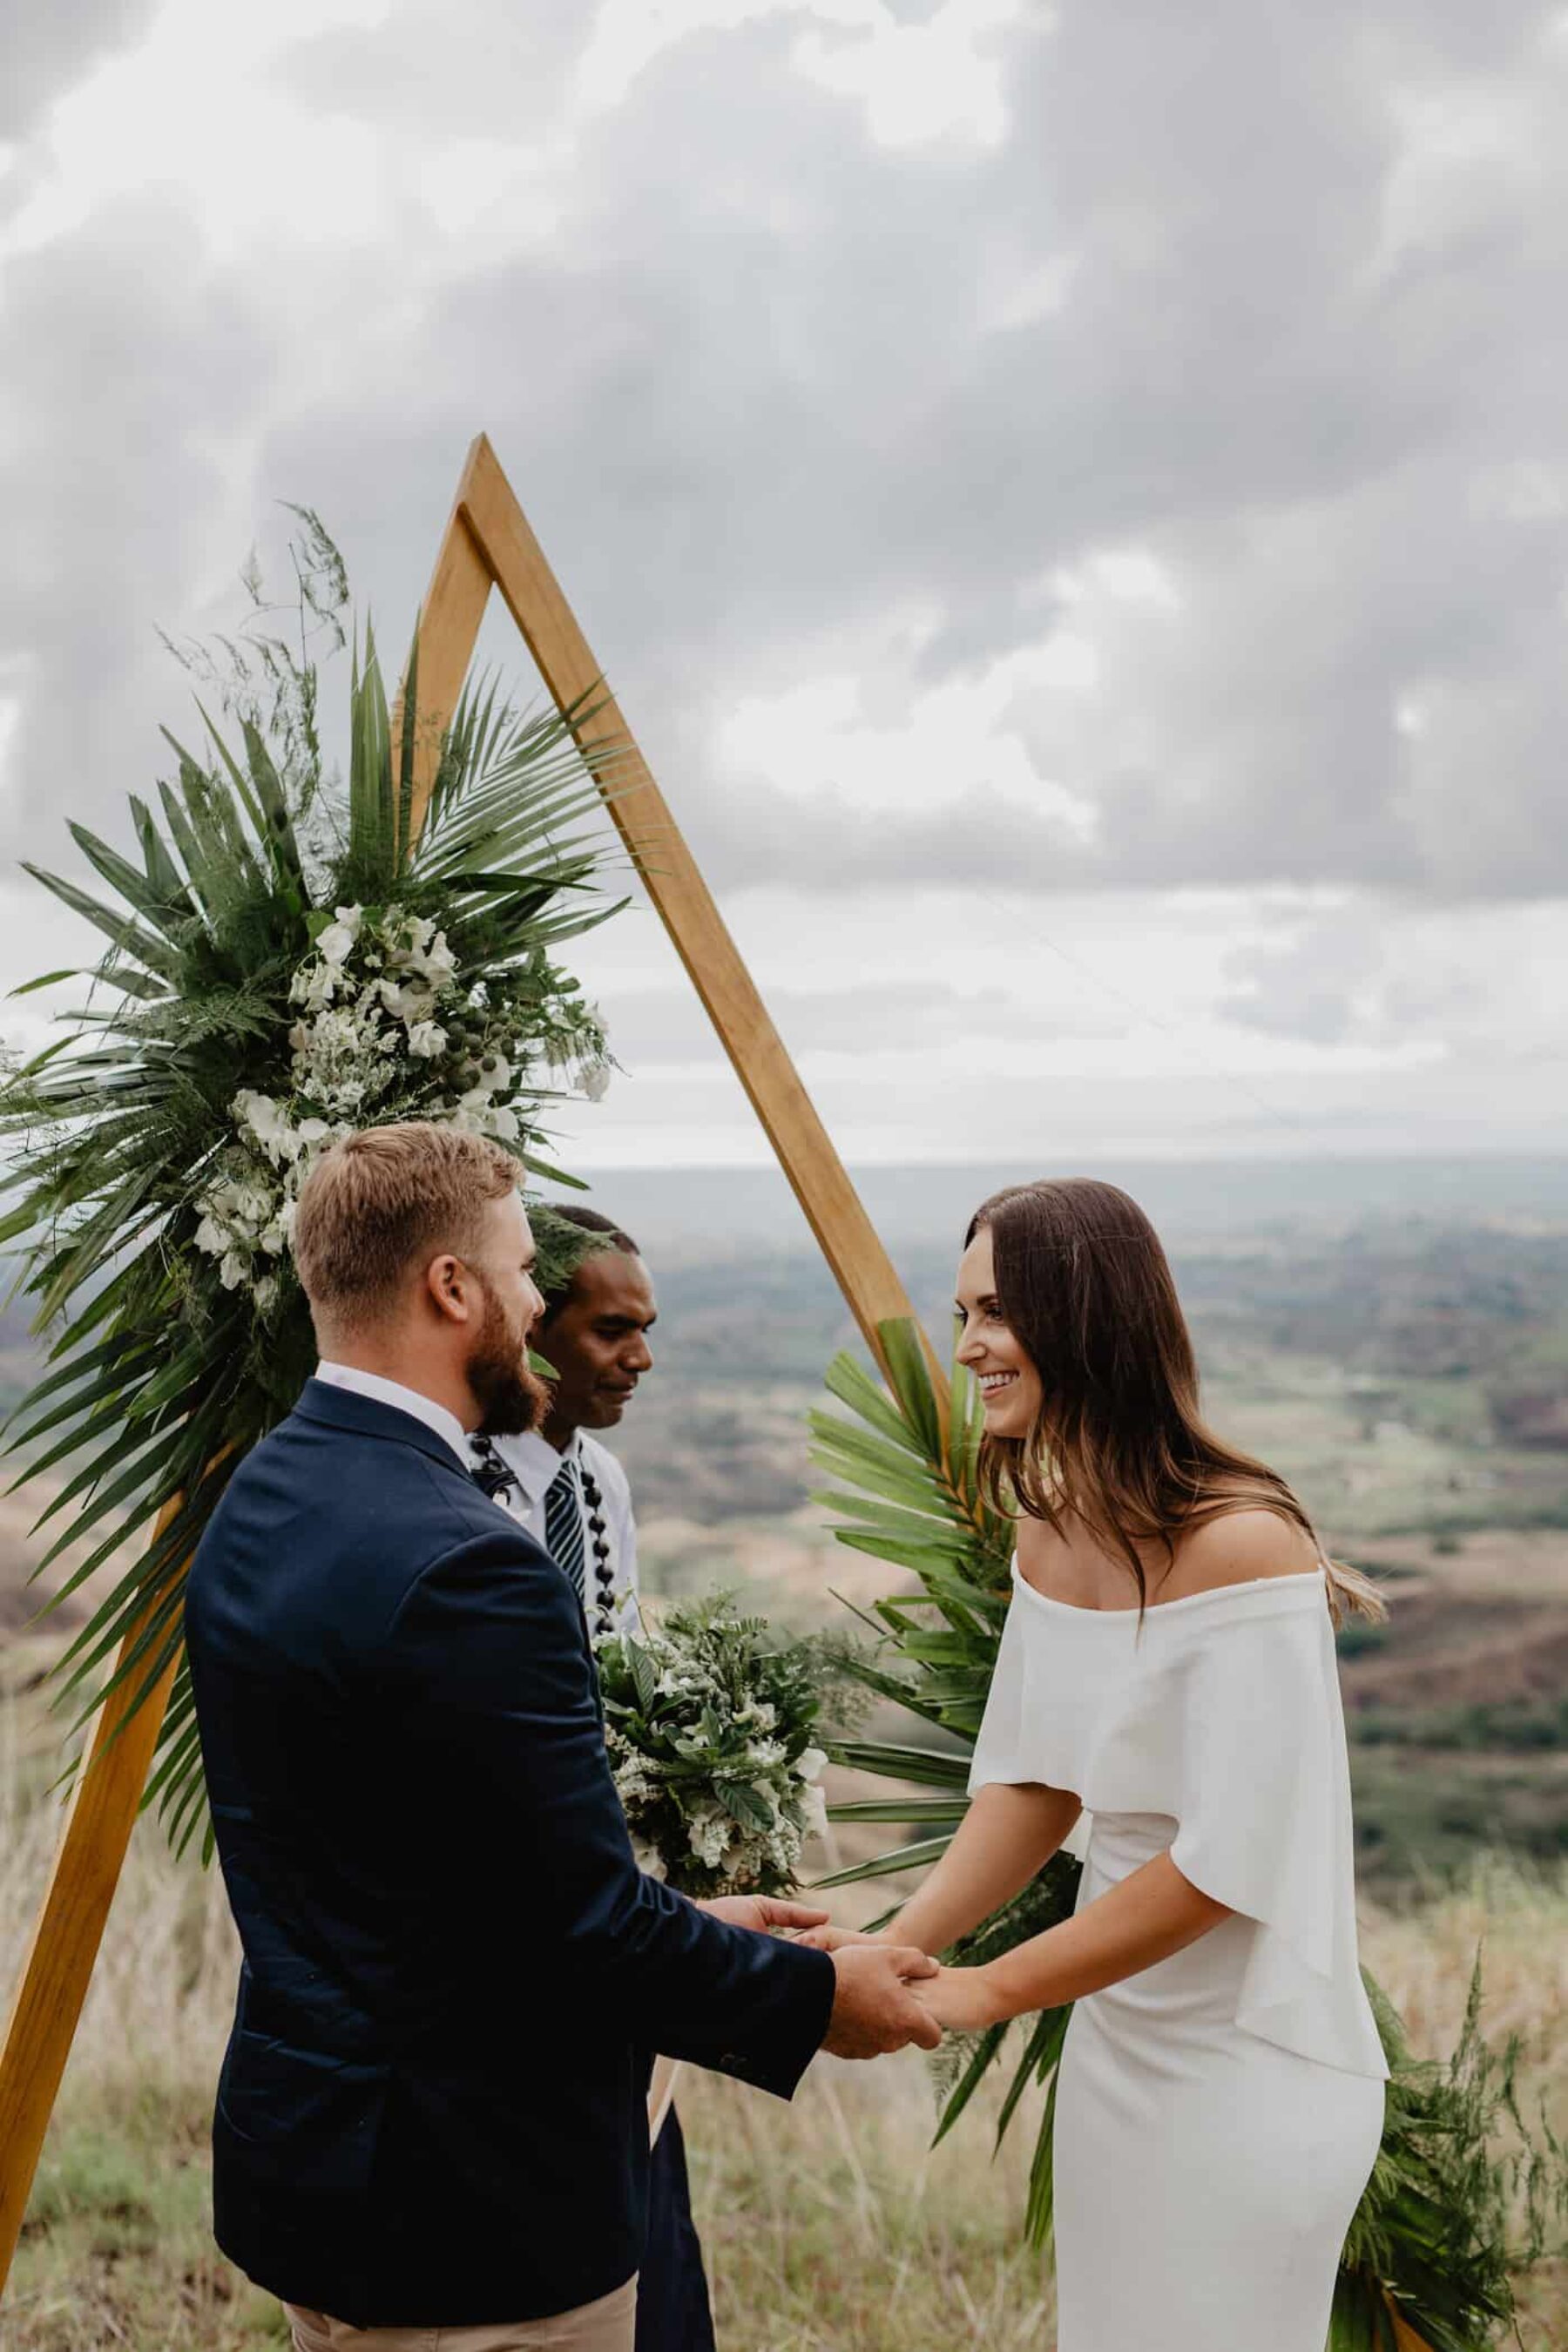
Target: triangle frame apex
488	542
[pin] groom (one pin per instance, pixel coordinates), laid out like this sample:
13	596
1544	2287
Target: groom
430	2114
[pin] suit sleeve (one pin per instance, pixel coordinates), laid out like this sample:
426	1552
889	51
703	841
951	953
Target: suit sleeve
488	1665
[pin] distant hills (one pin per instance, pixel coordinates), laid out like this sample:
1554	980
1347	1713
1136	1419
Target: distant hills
1393	1335
686	1209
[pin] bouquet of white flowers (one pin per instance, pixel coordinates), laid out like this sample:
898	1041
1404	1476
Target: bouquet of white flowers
709	1723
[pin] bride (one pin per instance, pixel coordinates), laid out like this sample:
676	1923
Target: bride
1167	1670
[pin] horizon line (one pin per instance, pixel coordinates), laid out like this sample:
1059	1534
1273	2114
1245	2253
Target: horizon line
1342	1157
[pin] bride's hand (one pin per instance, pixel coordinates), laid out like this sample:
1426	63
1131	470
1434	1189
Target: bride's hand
829	1938
962	2000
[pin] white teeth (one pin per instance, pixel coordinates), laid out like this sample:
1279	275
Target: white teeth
990	1381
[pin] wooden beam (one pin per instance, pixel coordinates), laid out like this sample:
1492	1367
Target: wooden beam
48	2004
449	630
488	518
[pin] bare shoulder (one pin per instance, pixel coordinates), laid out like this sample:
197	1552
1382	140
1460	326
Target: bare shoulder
1239	1547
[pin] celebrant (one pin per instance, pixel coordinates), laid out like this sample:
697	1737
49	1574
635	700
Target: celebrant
566	1487
572	1496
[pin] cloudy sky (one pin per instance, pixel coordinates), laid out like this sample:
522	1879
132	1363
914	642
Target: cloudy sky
1074	501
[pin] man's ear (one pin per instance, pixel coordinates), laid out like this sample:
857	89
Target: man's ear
450	1287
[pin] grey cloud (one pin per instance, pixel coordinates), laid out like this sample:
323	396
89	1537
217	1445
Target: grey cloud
1309	987
668	1025
1374	972
470	67
117	335
49	47
751	437
754	399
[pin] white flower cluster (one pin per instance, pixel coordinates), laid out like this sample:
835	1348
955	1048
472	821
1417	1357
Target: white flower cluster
385	1029
742	1854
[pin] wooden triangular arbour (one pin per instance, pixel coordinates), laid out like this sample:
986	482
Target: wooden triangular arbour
487	543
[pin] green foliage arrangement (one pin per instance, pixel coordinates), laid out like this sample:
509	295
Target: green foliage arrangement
710	1721
1433	2236
288	957
1443	2223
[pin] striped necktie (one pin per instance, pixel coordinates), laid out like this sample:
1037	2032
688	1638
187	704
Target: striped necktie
563	1537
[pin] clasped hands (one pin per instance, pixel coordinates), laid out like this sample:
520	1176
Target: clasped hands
887	1994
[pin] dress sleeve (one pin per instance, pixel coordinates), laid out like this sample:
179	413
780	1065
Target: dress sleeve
1239	1734
998	1746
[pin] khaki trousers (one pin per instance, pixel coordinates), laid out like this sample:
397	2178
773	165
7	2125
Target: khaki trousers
608	2325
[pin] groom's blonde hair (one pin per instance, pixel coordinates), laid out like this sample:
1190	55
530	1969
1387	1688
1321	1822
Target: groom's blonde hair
377	1202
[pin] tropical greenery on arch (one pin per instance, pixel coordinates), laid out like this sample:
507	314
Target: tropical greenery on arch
291	953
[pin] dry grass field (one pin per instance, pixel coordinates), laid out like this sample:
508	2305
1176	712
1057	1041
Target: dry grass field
830	2226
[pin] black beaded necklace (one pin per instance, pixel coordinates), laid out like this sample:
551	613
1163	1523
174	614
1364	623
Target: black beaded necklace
603	1574
491	1473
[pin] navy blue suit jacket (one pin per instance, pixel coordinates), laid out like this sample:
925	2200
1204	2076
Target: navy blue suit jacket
431	2112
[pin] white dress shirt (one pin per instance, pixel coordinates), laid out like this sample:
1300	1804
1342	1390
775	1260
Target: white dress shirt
533	1462
411	1400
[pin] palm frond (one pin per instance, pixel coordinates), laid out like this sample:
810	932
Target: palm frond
161	1372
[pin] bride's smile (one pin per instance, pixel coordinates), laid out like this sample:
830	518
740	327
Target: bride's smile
990	1350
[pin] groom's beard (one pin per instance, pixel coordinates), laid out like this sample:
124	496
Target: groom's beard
510	1397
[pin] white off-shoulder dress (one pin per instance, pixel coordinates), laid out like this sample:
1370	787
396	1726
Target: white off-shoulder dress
1218	2114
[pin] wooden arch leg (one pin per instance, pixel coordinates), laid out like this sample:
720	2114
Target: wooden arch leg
48	2004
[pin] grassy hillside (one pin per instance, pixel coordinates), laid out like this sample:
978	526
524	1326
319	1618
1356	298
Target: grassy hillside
830	2226
1411	1378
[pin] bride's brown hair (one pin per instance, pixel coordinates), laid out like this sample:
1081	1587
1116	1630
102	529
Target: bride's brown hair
1087	1290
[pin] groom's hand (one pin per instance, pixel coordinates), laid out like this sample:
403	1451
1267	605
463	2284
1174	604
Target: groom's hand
875	2007
765	1913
